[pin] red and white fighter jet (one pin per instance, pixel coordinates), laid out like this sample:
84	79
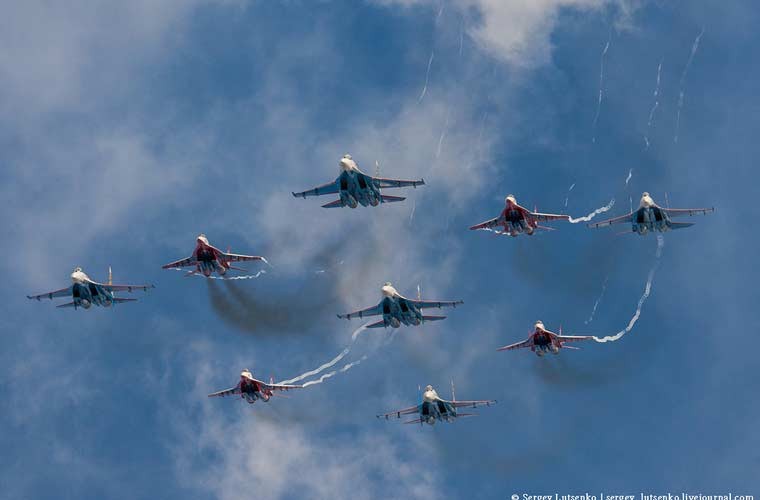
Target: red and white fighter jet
207	259
516	219
542	341
252	390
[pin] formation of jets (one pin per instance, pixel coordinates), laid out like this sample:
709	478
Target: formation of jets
354	188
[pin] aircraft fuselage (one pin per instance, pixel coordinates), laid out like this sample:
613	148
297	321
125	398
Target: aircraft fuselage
649	219
208	262
515	221
357	188
398	310
252	391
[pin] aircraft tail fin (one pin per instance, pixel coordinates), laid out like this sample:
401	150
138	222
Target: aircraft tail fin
433	318
110	276
680	225
389	199
333	204
377	324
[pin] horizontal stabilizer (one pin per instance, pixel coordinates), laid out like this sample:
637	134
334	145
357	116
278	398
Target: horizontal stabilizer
570	347
333	204
466	415
119	300
433	318
680	225
69	304
389	199
378	324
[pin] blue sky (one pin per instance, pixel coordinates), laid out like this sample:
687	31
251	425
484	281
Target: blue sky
128	130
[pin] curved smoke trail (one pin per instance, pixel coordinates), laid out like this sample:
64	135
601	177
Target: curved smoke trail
593	214
644	296
330	363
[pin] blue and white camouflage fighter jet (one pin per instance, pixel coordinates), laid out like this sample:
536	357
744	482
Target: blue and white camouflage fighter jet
652	217
397	309
87	292
433	408
357	188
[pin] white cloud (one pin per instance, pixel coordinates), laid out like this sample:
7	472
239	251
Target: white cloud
518	32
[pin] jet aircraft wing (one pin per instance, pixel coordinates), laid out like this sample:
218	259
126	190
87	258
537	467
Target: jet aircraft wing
370	311
329	188
63	292
424	304
547	217
616	220
234	257
573	338
226	392
678	212
398	413
517	345
487	224
189	261
279	387
124	288
395	183
472	404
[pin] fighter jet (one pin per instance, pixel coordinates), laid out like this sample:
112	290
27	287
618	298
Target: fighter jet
87	292
357	188
252	390
206	259
652	217
397	309
433	408
542	341
516	219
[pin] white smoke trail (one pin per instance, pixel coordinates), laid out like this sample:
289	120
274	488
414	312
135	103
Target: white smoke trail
567	198
598	300
694	48
427	78
627	179
343	369
644	296
593	214
443	133
654	106
330	363
411	215
226	278
601	87
461	37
